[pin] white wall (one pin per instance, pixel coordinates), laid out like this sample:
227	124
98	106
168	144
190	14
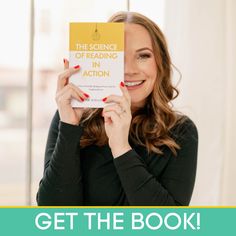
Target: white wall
153	9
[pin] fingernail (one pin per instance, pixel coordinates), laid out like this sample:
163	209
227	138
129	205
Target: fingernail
86	95
64	60
104	99
81	99
77	67
122	84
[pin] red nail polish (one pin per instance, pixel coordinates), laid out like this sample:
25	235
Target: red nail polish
77	67
104	99
81	99
86	95
64	60
122	84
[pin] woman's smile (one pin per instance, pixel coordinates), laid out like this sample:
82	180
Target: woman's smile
131	85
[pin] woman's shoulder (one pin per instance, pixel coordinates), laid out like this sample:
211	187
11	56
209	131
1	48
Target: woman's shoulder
184	128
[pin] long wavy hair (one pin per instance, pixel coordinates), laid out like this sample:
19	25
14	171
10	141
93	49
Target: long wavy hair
151	125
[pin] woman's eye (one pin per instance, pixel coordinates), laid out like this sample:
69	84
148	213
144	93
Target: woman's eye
144	56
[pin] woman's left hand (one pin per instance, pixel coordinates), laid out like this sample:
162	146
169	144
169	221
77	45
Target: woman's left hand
117	117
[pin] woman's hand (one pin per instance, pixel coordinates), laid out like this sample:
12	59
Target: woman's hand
65	92
117	119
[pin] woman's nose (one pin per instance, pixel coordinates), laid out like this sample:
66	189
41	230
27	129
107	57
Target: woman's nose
130	66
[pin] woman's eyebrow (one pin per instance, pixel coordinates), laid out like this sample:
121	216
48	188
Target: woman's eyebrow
145	48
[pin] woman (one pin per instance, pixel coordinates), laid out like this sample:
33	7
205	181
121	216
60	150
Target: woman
135	151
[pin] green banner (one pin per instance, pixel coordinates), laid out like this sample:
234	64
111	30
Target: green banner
117	221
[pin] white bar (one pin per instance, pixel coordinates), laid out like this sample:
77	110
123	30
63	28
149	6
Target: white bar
128	5
30	107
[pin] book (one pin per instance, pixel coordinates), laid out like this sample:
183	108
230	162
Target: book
99	50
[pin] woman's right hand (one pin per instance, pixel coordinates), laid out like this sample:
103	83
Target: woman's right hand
67	91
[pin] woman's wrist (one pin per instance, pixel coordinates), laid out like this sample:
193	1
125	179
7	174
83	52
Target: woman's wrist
120	150
69	122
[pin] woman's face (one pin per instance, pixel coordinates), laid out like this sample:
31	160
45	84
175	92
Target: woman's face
140	65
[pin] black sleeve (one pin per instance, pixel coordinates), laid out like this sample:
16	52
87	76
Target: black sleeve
176	183
62	180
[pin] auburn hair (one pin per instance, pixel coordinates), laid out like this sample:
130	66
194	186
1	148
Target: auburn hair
151	125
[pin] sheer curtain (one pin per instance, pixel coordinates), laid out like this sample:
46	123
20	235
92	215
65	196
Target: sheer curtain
228	196
201	38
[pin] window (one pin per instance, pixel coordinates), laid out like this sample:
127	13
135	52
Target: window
50	47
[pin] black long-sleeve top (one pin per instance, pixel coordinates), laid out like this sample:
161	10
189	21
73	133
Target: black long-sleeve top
75	176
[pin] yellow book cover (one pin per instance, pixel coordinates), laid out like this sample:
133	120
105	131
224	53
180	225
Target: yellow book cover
99	50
